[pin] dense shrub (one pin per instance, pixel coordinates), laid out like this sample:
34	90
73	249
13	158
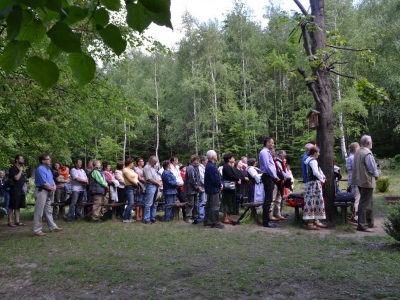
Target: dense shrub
392	224
382	185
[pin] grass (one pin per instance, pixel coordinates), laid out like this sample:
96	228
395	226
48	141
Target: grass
114	260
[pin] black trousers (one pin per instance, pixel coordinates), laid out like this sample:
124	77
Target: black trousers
212	209
269	185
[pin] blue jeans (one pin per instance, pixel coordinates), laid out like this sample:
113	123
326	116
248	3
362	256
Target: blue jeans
130	197
150	208
202	204
75	211
169	199
140	199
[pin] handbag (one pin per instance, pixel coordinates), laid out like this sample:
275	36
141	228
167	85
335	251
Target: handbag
345	197
229	185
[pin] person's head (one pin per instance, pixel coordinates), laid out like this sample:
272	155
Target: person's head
129	162
238	164
78	163
1	174
228	158
44	159
354	147
182	169
281	154
120	165
174	161
153	160
19	159
307	147
106	166
90	164
269	143
194	159
366	141
56	166
314	143
314	152
212	156
96	163
166	164
140	162
251	162
244	159
203	160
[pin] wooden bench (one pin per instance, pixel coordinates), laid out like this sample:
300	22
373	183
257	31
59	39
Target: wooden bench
113	207
295	196
177	206
252	206
391	200
343	209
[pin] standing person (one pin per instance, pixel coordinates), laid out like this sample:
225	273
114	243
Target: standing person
178	176
229	206
307	147
202	194
121	188
78	185
60	194
353	148
2	190
97	189
131	182
314	206
212	188
169	189
268	178
365	174
152	186
140	196
44	192
16	182
255	187
192	188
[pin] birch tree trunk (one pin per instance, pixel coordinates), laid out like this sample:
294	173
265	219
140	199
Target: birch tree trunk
340	117
157	106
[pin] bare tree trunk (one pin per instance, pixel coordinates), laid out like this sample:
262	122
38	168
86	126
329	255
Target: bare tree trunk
341	127
157	99
215	101
195	115
244	98
321	90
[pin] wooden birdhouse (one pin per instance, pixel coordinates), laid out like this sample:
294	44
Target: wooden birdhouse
313	118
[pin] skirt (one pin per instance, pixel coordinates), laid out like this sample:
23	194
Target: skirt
314	206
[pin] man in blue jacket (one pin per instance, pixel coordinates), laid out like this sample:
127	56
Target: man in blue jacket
212	187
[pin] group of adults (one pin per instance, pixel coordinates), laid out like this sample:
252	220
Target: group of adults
362	175
205	189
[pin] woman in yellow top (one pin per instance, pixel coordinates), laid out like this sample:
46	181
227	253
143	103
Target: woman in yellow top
131	179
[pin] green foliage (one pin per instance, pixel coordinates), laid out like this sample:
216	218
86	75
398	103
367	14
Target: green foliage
372	95
392	224
394	162
382	185
27	23
45	72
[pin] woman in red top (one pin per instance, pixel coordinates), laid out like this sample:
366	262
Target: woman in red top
183	171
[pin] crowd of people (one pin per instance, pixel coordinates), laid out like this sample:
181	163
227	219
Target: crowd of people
205	188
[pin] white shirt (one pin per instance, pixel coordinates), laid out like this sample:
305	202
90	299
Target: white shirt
77	186
316	170
177	173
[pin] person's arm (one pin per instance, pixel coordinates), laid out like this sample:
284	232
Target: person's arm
253	173
371	166
74	175
99	179
316	171
171	179
120	178
19	174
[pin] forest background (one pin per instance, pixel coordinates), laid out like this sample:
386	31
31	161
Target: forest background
226	86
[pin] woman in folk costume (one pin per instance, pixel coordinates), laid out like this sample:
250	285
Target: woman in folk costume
255	187
314	206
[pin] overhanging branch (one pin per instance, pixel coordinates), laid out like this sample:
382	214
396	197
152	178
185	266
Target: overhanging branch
349	49
341	74
301	7
310	84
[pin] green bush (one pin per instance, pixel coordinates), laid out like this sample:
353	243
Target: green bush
382	185
392	224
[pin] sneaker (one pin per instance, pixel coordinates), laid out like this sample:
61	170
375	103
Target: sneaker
219	226
126	221
147	222
188	220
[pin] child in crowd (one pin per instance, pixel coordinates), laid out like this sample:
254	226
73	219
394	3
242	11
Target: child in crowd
64	171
